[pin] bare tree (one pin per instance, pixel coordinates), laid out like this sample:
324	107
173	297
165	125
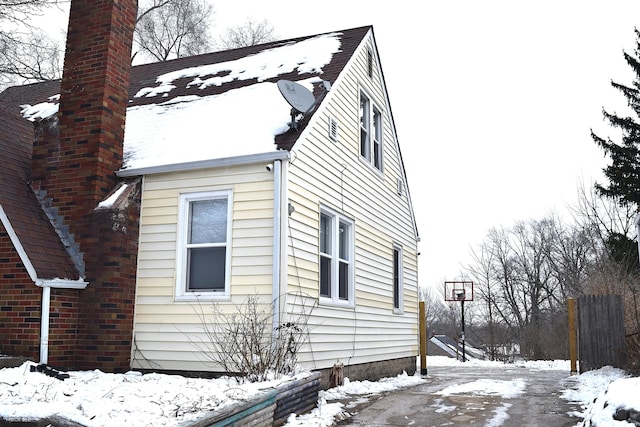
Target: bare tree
250	33
518	282
26	53
167	29
19	11
34	57
482	274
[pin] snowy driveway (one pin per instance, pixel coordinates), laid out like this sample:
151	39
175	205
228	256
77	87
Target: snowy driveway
469	394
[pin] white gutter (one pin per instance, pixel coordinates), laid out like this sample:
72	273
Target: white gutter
209	163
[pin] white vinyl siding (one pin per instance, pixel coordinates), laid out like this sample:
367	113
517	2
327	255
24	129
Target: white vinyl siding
168	330
329	175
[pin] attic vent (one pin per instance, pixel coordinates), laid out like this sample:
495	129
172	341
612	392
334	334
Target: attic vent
369	62
333	129
400	187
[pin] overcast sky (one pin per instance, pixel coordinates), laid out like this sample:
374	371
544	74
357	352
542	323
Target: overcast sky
493	102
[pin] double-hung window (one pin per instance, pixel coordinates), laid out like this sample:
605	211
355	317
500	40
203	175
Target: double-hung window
370	132
204	245
336	258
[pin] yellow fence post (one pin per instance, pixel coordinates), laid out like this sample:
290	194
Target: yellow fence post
573	337
422	324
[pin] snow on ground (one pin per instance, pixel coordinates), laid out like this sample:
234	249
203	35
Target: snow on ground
94	398
601	392
326	413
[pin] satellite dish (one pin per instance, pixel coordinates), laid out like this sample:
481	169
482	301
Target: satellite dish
299	97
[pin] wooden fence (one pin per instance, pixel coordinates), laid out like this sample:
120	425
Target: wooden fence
601	335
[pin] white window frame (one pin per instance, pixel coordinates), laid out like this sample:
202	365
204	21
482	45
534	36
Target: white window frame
371	140
334	285
181	292
397	271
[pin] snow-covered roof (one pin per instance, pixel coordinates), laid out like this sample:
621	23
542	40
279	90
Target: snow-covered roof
219	105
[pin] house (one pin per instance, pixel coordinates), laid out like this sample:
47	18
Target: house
114	239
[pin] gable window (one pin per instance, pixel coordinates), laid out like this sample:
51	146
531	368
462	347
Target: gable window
377	139
397	280
204	242
370	132
336	258
365	119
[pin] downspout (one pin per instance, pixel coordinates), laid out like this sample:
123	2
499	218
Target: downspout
44	324
277	233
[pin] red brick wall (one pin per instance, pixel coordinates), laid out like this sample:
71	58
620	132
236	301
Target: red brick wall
75	164
63	328
19	305
107	304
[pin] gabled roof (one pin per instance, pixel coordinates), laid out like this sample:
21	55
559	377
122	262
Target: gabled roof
226	103
217	105
21	214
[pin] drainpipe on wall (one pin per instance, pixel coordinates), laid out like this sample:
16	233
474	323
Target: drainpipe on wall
44	324
277	232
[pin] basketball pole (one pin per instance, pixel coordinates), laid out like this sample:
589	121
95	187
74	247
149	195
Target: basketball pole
464	356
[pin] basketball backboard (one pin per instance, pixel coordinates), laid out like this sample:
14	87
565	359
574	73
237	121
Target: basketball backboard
458	290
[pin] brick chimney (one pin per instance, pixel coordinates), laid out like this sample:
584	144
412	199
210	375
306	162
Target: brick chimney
93	102
73	167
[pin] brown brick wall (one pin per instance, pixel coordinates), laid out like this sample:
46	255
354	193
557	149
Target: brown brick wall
107	304
63	327
75	163
19	305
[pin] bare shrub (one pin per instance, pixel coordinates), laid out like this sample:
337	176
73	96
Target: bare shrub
245	343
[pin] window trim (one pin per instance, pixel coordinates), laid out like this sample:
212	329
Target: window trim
185	199
334	286
367	151
397	271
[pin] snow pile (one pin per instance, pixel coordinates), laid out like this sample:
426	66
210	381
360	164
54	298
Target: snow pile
602	393
94	398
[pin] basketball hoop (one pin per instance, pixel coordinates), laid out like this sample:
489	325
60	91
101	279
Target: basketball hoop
459	291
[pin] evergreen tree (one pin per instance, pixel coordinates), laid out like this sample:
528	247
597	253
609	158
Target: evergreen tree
623	173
